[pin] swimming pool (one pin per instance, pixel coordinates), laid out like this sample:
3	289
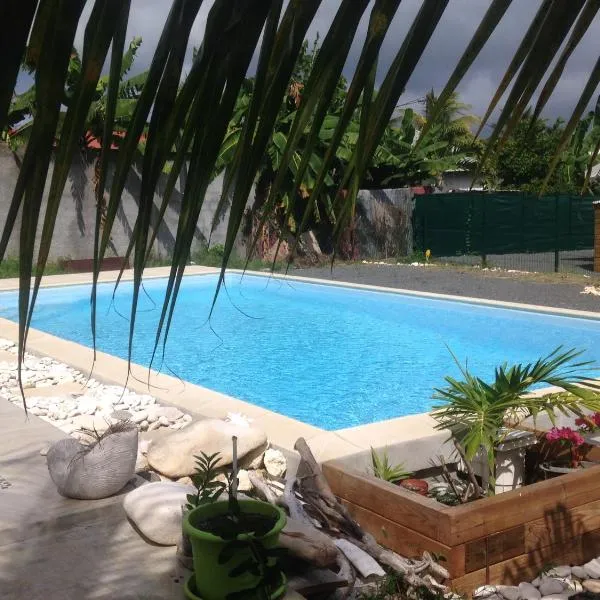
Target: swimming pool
327	355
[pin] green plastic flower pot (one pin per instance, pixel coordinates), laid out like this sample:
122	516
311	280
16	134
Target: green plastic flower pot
211	578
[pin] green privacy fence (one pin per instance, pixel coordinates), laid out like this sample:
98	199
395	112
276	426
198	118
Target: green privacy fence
500	223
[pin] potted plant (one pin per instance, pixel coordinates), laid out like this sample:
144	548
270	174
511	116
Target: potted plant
561	439
480	415
234	545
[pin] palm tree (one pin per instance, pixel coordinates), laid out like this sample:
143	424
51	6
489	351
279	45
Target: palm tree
198	111
453	120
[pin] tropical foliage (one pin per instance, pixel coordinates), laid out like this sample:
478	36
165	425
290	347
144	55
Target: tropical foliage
523	161
194	114
478	413
384	469
23	107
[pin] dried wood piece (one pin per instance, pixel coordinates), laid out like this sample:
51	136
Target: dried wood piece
261	487
477	490
316	581
308	543
364	563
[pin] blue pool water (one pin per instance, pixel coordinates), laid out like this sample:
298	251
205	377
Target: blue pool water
331	356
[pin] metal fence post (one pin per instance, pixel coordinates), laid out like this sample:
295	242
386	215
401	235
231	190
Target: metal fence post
483	231
556	237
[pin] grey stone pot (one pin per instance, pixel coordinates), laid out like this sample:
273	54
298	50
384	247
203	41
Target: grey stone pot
96	471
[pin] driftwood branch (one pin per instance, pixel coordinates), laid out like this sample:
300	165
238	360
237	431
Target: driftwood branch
261	487
476	488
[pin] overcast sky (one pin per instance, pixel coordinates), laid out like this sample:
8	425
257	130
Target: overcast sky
454	31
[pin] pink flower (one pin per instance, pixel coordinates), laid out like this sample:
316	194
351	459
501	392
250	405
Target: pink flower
565	436
589	423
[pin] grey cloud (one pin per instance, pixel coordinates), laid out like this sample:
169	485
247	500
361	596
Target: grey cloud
456	28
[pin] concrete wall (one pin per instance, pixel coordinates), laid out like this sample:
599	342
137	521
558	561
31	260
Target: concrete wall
384	223
74	232
383	226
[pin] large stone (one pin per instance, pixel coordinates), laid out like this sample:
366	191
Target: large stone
509	592
156	509
275	463
528	591
579	572
173	455
550	586
592	569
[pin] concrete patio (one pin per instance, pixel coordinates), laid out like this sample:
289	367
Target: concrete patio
53	548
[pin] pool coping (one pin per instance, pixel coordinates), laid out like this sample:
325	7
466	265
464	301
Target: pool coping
282	431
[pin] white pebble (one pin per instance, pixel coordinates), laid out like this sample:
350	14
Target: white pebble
529	591
163	421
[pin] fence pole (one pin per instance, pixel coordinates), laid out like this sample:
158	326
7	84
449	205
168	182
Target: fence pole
483	231
556	237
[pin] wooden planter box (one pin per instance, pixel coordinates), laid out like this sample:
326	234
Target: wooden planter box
505	539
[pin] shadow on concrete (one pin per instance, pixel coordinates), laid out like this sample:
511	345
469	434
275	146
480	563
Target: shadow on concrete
54	548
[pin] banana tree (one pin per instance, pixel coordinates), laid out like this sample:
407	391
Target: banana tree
23	107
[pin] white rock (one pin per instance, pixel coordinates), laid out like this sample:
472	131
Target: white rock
176	425
96	423
510	592
579	572
484	591
156	510
68	428
172	413
144	445
528	591
154	426
562	571
558	596
87	405
163	421
244	483
592	568
36	410
275	463
187	418
144	426
138	417
549	585
537	581
173	455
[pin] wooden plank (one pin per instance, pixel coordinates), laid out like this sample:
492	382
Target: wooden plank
562	524
415	512
504	511
524	567
494	548
406	541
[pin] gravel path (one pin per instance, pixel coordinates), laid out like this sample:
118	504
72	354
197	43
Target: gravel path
495	285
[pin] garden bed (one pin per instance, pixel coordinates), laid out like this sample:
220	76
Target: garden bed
505	539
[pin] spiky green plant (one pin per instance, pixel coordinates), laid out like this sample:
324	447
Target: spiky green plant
477	413
383	469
